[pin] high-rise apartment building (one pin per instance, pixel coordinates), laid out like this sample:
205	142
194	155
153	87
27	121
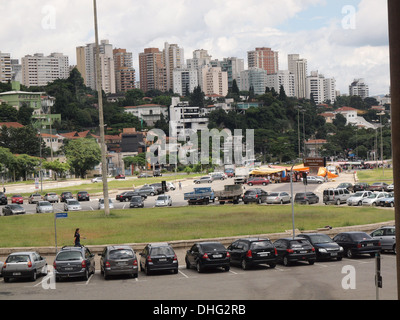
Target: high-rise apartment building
86	64
174	58
282	78
124	71
152	70
185	81
263	58
298	67
5	67
320	88
233	66
214	81
359	88
39	70
255	78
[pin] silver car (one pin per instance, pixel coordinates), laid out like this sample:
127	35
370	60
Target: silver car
163	201
27	264
206	179
51	197
44	207
387	237
278	197
101	204
72	205
356	198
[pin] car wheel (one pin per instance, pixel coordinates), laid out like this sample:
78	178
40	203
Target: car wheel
187	264
349	254
244	264
359	203
34	275
286	261
338	202
272	265
311	262
152	194
199	268
227	268
86	276
250	184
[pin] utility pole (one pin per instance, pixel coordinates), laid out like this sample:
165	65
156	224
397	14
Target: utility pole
394	48
101	116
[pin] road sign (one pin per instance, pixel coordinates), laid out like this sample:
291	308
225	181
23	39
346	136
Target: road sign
61	215
58	215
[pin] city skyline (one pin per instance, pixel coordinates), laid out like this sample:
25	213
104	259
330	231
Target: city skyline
340	39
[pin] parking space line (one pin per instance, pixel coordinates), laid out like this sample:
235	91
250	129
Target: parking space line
183	274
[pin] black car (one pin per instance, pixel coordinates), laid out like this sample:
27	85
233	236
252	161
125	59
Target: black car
66	195
83	196
361	186
256	195
136	202
252	251
325	247
147	190
12	209
73	262
204	255
346	185
157	173
306	198
127	195
118	260
357	242
158	256
3	198
294	249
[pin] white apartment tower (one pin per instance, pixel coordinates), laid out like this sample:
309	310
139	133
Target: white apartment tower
174	58
282	78
255	78
359	88
214	81
39	70
184	80
298	67
5	67
321	88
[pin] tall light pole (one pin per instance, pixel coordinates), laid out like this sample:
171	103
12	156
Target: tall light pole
380	121
101	116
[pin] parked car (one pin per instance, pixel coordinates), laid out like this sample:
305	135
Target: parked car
101	204
136	202
390	187
203	255
315	179
26	264
66	195
325	247
255	195
278	197
158	187
147	191
17	198
34	198
294	249
157	257
357	242
3	198
144	175
387	201
157	173
336	196
120	176
83	196
378	186
12	209
218	176
249	252
72	205
356	198
361	186
97	179
163	201
347	185
44	207
372	199
74	262
51	197
306	198
171	186
386	236
257	181
127	195
118	260
206	179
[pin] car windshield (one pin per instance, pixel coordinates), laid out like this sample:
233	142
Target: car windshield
360	236
320	238
44	204
372	196
162	198
358	194
15	206
102	201
73	203
18	258
157	251
69	256
260	245
136	199
121	254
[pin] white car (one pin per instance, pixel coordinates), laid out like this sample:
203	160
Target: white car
72	205
101	204
372	200
356	198
97	179
171	186
163	201
44	207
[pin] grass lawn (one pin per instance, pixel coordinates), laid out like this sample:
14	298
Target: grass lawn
182	223
376	175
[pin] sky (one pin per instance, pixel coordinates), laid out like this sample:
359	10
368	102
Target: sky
341	39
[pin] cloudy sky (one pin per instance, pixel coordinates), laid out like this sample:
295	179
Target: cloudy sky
344	39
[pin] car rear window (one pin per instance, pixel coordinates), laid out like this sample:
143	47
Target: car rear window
157	251
212	246
18	258
260	245
360	236
274	194
69	256
121	254
298	243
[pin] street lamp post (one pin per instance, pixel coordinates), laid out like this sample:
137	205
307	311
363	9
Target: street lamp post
380	121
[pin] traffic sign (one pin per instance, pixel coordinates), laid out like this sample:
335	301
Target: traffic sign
61	215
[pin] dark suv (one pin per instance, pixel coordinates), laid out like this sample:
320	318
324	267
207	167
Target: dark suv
252	251
136	202
3	198
83	196
118	260
66	195
158	256
127	195
73	262
306	198
257	195
204	255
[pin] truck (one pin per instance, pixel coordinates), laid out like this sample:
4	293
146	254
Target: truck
200	196
231	193
241	175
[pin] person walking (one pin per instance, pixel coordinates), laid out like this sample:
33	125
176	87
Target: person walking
77	238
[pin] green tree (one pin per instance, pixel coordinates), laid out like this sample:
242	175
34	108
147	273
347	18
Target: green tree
59	167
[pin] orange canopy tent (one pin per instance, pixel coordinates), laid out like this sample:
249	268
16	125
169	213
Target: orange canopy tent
322	172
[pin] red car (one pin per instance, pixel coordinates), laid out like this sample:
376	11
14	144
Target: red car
16	198
120	176
257	180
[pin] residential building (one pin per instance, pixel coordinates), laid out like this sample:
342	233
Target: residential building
353	118
132	141
298	67
39	70
315	87
214	81
86	64
330	90
152	70
233	66
359	88
263	58
185	81
149	113
200	59
282	78
5	67
174	58
124	71
255	78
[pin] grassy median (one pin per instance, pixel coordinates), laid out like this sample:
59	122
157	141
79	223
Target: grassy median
182	223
